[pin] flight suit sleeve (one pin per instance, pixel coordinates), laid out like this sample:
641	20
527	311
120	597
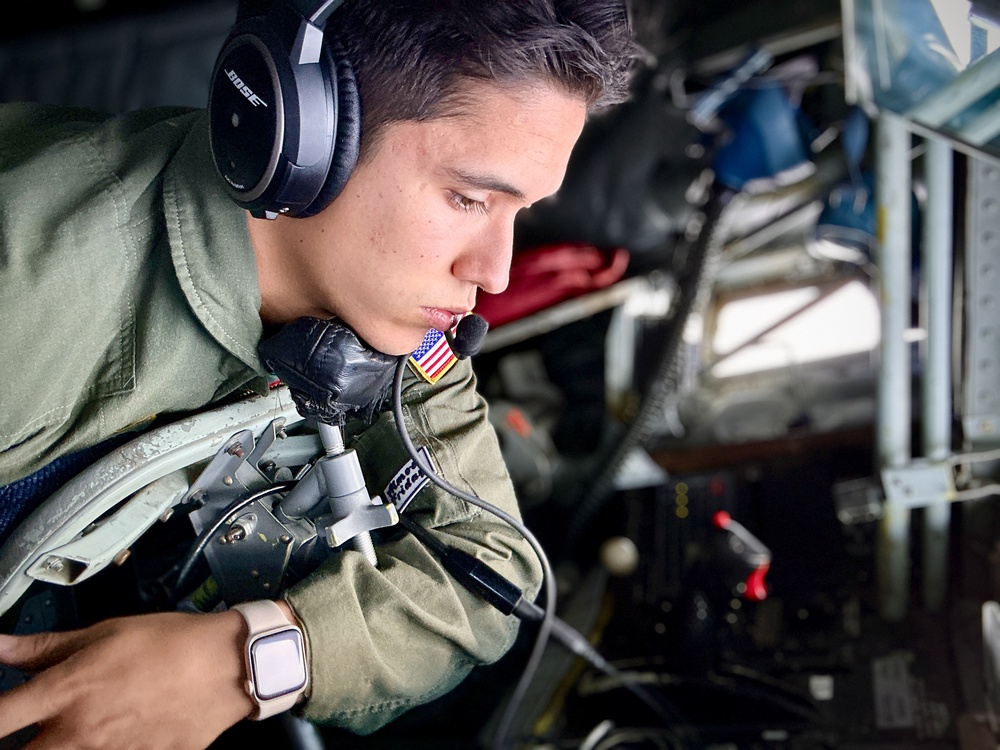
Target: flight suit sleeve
387	639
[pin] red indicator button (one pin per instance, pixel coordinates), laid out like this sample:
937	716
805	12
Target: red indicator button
756	587
721	519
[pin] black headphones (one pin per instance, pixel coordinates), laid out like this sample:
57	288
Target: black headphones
284	111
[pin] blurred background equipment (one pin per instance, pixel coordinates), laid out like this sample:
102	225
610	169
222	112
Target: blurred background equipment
745	378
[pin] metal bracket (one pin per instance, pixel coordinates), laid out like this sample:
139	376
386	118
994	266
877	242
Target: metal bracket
919	484
858	500
360	520
232	472
81	558
251	552
103	489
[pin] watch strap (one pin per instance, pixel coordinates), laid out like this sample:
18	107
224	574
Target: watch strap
265	616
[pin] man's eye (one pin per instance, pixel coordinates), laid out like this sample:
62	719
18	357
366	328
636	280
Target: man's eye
464	203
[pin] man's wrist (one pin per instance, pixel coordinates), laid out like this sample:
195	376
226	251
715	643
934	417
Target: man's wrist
232	629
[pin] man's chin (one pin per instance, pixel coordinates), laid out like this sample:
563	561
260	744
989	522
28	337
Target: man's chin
395	343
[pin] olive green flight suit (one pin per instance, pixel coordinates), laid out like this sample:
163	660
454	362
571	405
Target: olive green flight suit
128	290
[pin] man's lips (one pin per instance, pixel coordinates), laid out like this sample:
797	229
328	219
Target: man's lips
443	319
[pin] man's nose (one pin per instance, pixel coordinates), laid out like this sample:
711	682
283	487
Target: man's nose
486	263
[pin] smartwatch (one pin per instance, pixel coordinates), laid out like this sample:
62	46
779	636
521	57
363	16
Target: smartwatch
275	657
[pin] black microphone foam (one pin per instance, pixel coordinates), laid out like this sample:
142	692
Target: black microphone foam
468	336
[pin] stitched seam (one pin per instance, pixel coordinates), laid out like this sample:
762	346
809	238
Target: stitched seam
37	421
463	661
127	325
169	193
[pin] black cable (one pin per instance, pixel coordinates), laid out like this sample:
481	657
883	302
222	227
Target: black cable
481	579
695	285
548	582
189	560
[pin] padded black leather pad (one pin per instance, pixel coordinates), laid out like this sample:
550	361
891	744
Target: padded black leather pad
347	143
330	372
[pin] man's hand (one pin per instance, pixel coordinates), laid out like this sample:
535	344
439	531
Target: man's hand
167	680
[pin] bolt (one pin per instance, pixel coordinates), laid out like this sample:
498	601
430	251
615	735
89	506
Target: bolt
166	515
266	586
54	564
236	449
236	533
281	434
122	557
285	539
228	481
268	466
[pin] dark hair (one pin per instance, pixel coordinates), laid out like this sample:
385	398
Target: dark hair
413	58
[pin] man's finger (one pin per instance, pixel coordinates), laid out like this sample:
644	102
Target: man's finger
41	650
23	706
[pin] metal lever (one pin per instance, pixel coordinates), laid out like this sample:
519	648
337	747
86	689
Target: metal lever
353	513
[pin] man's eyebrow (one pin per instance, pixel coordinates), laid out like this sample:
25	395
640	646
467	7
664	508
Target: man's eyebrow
484	182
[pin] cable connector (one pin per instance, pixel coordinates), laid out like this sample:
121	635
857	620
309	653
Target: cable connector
485	582
471	572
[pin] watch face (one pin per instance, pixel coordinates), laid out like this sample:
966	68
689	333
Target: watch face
278	664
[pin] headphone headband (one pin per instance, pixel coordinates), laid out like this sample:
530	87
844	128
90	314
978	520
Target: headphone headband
316	13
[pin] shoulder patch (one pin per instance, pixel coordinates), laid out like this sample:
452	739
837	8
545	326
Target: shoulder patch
408	481
433	358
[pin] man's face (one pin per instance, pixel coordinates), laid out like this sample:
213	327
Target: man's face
428	219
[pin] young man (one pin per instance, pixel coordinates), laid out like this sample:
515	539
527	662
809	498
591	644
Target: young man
131	286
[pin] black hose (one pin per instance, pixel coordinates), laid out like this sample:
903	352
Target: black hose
186	565
694	288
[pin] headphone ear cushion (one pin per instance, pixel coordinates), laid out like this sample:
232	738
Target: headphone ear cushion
347	142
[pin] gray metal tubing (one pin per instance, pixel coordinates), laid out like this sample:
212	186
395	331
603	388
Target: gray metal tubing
936	402
971	85
893	429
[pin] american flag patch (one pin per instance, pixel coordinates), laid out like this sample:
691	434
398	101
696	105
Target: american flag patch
433	358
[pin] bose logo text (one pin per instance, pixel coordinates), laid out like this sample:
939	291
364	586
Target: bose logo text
244	89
